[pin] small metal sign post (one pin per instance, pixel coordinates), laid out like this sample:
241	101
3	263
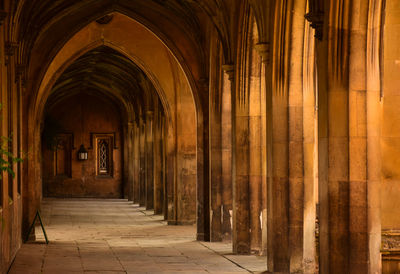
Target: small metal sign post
33	225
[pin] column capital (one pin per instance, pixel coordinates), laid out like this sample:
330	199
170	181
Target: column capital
263	50
150	113
230	70
204	82
20	73
10	48
316	18
19	69
3	15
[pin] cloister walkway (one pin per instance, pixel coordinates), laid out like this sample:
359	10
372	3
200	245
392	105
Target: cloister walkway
115	236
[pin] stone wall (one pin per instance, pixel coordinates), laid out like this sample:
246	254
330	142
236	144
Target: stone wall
83	116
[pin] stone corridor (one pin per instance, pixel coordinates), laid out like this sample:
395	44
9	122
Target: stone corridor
116	236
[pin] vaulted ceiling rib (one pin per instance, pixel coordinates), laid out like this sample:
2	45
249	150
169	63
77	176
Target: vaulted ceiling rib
105	72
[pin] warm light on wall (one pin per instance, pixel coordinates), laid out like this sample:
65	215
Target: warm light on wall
82	153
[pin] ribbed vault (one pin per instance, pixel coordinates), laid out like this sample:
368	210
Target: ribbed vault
175	22
106	72
105	69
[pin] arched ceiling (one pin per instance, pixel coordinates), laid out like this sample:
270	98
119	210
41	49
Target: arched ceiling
107	73
45	25
37	15
40	28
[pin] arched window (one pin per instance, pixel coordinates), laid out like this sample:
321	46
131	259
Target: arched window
104	146
103	157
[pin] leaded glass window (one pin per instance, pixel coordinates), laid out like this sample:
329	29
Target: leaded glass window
104	155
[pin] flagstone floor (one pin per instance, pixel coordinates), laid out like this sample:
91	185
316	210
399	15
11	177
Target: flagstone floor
116	236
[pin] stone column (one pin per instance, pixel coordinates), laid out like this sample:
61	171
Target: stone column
374	122
142	174
277	74
21	90
323	211
226	158
203	179
268	194
215	178
158	180
240	166
149	160
280	183
358	191
170	170
164	165
215	145
295	139
136	164
130	165
364	138
125	160
264	11
262	49
255	149
333	127
310	150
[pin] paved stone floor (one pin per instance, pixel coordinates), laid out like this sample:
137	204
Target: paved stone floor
115	236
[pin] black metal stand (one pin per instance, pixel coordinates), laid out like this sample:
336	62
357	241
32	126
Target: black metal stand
33	225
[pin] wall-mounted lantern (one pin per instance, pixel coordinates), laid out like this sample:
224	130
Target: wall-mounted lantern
82	153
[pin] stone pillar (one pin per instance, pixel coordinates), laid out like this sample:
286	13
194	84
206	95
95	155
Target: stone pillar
215	177
142	174
358	191
203	180
130	160
226	158
125	160
268	239
295	139
158	180
310	150
323	211
170	182
262	49
215	145
364	138
338	177
21	90
136	163
280	182
333	127
240	166
278	141
149	160
164	138
374	122
255	150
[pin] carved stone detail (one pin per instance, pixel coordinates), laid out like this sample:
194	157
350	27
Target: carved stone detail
230	70
19	70
203	84
20	73
390	241
263	50
105	19
10	48
3	15
317	22
316	17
